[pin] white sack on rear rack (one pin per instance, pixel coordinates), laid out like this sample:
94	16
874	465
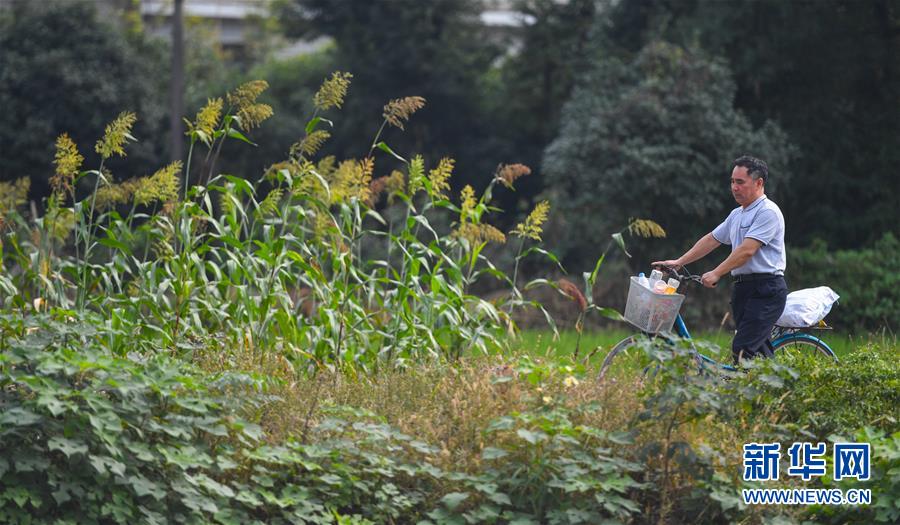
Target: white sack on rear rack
807	307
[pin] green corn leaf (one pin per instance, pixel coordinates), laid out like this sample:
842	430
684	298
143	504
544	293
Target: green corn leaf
112	242
609	313
311	125
545	253
621	242
387	149
593	277
235	134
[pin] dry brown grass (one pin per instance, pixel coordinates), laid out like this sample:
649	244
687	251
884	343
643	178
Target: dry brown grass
450	406
446	405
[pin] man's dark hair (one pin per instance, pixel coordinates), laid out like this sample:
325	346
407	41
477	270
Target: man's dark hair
756	168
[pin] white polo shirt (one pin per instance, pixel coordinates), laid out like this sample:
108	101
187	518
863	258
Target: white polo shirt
762	220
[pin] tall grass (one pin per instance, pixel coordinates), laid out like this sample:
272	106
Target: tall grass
348	265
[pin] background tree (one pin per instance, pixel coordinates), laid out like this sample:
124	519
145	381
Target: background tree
652	138
62	69
527	89
176	83
828	71
399	48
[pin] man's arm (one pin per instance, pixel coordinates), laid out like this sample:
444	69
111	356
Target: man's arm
701	249
738	258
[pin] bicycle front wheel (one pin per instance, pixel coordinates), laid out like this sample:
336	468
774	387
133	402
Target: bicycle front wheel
628	357
802	346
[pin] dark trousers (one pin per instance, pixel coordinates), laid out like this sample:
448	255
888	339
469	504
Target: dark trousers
756	305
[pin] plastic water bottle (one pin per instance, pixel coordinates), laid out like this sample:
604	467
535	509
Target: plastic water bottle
655	276
660	286
643	281
672	285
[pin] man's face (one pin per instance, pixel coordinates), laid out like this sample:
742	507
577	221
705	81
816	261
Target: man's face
743	187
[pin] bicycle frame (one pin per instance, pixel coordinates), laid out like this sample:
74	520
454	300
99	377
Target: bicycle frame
786	336
682	331
780	335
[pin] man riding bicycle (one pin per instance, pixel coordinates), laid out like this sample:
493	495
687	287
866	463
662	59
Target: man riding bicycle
755	231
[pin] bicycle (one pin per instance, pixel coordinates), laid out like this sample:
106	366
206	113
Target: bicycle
784	339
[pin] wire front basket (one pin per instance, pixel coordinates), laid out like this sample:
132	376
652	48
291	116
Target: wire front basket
651	312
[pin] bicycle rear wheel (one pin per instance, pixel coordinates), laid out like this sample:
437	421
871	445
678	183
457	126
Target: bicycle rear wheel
799	345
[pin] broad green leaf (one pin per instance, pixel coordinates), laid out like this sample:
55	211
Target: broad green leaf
453	499
499	498
214	486
17	416
144	487
532	437
66	446
493	453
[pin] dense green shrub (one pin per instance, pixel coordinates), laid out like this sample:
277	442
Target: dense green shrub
825	403
90	436
794	398
863	389
884	482
867	281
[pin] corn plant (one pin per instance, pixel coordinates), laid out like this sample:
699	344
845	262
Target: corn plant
329	263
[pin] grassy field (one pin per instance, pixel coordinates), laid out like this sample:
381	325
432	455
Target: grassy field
542	343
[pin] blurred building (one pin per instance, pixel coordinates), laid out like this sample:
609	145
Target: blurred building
503	24
231	22
502	14
228	19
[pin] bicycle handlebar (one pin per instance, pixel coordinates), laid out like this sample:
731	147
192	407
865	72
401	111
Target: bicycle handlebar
673	272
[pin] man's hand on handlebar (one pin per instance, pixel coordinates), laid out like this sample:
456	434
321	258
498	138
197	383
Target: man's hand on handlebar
672	267
709	279
671	263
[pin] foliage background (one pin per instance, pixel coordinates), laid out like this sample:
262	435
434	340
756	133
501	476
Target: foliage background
811	86
313	341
